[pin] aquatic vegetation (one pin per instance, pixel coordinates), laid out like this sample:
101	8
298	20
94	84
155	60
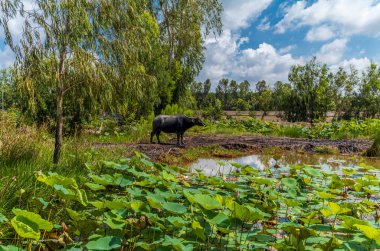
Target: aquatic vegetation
136	204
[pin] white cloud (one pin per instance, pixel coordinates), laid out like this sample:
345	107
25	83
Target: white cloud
332	53
223	54
264	63
348	17
220	54
321	33
225	59
287	49
360	64
264	24
291	13
238	14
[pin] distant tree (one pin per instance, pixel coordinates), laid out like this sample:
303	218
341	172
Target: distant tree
244	89
233	91
196	90
370	91
261	86
265	101
263	97
281	94
206	91
222	92
311	96
343	85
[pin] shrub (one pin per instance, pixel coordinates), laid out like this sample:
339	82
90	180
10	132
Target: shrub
175	109
292	131
214	111
374	150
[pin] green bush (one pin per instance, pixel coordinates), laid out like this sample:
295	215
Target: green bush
374	150
214	111
295	131
175	109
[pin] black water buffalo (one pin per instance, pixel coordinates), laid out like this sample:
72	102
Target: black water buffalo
173	124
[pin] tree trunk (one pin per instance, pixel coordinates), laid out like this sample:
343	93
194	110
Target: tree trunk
59	125
59	115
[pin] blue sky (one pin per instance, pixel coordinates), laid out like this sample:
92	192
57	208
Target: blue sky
263	38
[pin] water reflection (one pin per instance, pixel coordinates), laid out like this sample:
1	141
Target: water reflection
261	162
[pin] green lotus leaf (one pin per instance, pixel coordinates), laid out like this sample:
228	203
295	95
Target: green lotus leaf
104	243
175	208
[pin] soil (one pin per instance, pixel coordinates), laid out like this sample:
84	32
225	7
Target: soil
246	143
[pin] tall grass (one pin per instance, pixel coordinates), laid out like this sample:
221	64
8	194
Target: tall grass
22	152
292	131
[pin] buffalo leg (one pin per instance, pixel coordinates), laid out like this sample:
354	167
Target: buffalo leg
178	138
182	139
151	137
158	137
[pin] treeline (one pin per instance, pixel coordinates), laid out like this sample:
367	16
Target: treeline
313	90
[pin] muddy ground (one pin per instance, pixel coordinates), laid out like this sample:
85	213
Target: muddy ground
246	143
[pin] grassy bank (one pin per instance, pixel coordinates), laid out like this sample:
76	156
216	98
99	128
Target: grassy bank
140	131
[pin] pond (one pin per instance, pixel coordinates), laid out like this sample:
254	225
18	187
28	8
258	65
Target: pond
333	163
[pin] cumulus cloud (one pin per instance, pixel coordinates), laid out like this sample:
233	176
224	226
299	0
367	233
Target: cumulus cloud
321	33
360	64
223	54
238	14
349	18
225	59
264	63
332	53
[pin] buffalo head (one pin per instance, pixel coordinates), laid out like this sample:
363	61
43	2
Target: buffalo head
198	122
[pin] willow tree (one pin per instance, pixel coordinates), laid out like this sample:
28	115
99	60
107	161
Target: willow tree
183	26
82	53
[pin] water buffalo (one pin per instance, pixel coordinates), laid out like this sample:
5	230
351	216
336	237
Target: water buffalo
173	124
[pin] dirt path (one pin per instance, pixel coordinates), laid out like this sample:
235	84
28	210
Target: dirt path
246	143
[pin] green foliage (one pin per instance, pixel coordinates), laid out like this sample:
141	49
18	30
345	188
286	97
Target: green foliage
148	206
28	225
374	150
310	98
335	130
213	111
175	109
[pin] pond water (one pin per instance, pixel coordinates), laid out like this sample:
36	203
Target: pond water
325	162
